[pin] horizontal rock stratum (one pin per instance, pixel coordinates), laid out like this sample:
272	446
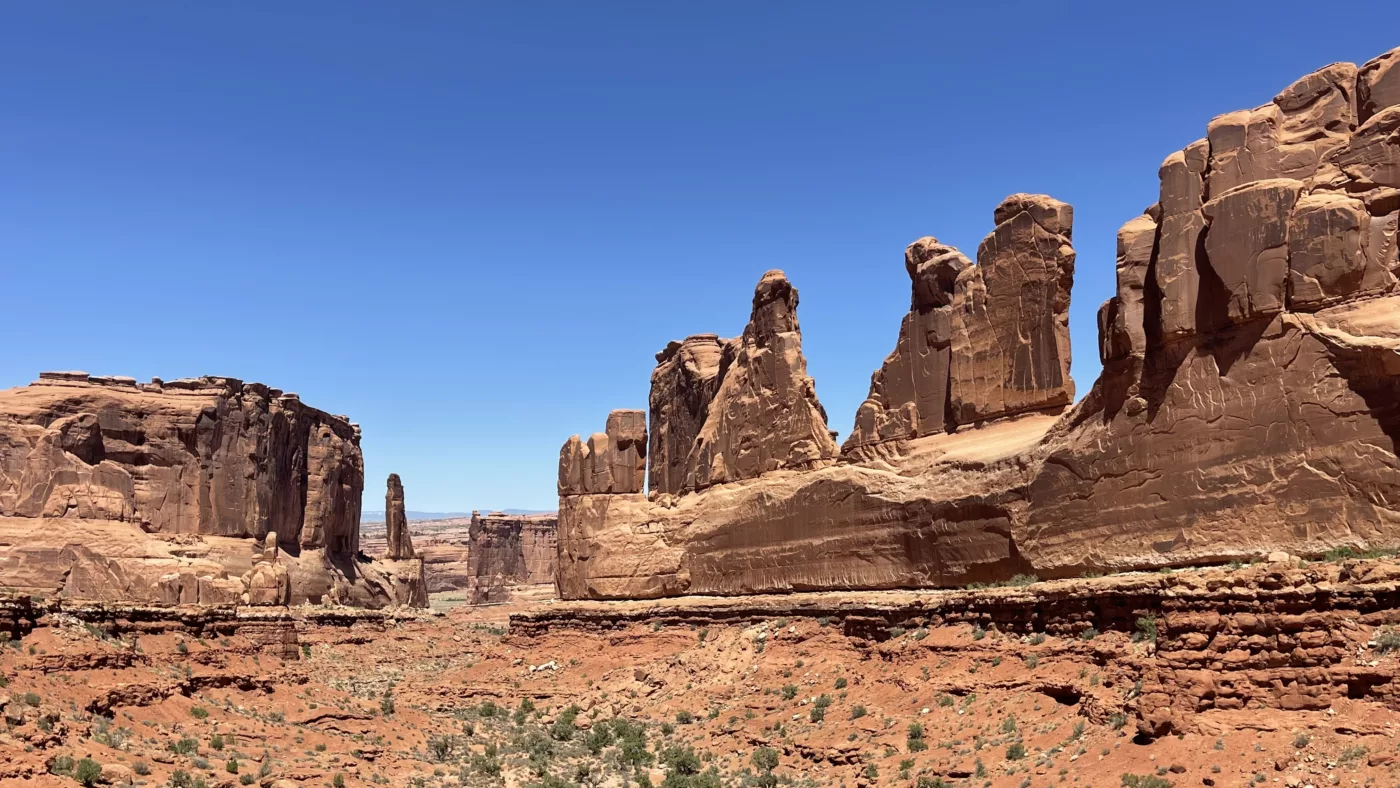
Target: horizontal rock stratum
1249	401
204	490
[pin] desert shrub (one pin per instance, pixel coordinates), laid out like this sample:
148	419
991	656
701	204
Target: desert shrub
1144	781
1388	640
1146	629
440	748
563	728
789	691
62	765
1016	751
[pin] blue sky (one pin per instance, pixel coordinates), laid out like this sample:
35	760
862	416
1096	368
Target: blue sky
471	225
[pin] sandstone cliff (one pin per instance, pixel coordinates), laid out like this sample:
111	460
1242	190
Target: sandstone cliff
1248	401
509	551
492	556
168	491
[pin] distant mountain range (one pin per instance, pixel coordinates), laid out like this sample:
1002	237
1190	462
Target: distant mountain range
377	515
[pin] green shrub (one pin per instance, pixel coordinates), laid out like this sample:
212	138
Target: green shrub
789	691
841	683
1388	640
819	707
62	765
199	712
440	747
1144	781
857	712
765	760
1146	629
1089	634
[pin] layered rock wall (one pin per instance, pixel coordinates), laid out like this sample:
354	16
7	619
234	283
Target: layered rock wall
1248	401
508	551
107	474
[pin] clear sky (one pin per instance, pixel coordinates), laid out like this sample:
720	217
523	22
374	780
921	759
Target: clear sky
471	225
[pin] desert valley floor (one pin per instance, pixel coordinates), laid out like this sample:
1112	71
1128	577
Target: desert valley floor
1020	685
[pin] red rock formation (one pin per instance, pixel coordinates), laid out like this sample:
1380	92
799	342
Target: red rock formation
682	386
765	415
1010	350
399	542
508	551
909	393
1250	399
613	461
979	342
106	475
498	553
1270	421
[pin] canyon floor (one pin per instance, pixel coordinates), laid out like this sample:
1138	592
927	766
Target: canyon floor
749	691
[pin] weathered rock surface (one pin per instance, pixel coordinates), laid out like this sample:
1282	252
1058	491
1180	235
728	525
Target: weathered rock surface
1249	403
399	543
682	386
507	551
909	393
765	415
610	462
1011	349
100	476
513	553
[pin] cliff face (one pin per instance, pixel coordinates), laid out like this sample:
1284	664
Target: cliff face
1248	401
508	551
206	461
